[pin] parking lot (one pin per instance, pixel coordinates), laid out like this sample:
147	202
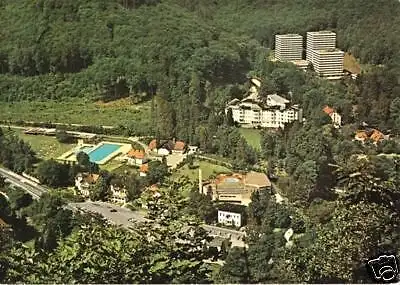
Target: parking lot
115	214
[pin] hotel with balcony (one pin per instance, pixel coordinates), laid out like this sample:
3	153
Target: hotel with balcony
320	40
321	51
329	63
288	47
275	112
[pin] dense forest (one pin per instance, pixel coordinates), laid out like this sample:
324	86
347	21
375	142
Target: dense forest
195	55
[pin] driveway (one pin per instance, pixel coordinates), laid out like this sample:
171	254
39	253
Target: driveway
174	159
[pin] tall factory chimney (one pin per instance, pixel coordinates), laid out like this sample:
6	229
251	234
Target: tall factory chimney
200	181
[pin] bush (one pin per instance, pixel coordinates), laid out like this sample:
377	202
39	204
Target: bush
63	137
298	225
281	217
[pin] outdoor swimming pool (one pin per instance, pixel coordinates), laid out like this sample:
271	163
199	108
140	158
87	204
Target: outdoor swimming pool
99	153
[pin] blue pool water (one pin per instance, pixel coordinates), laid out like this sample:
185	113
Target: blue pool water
99	153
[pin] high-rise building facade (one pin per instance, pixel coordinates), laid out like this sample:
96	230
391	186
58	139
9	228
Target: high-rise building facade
320	40
288	47
328	63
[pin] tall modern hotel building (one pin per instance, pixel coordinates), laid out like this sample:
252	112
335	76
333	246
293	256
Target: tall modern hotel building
321	40
322	53
329	63
288	47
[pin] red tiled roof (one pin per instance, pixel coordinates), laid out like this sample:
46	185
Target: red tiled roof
134	153
179	145
153	144
376	136
361	135
91	178
144	168
328	110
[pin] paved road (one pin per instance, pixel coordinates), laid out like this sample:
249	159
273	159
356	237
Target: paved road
31	187
119	215
123	217
214	160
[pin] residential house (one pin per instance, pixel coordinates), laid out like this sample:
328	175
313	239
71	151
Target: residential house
166	147
192	149
163	148
118	194
370	134
235	188
144	168
163	151
229	218
83	181
335	117
136	157
152	145
179	147
155	190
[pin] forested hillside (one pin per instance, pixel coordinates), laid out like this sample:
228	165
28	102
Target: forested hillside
55	48
193	54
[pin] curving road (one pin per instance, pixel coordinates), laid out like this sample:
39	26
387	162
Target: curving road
115	214
31	187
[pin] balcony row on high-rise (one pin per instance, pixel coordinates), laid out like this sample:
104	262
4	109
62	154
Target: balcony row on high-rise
321	52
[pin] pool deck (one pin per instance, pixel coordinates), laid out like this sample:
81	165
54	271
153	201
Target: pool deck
71	157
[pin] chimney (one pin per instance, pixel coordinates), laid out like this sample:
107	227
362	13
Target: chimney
200	182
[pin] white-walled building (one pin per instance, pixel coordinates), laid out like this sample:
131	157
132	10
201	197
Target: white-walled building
83	182
288	47
328	63
229	218
118	194
335	117
301	64
275	112
320	40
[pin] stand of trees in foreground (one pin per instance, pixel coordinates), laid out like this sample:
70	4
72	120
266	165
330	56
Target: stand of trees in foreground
333	238
74	248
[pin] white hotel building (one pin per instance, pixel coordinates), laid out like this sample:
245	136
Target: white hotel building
288	47
329	63
323	54
274	113
320	40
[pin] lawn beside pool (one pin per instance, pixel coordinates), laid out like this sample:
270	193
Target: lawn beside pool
207	170
252	136
46	147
